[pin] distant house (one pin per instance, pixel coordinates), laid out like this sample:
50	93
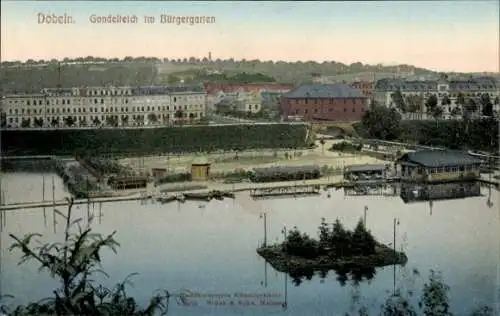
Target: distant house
438	165
365	87
246	97
324	102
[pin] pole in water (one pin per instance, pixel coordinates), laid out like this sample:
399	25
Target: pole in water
43	188
88	198
364	218
100	212
54	204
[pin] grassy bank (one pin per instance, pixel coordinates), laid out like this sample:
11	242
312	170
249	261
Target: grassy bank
152	140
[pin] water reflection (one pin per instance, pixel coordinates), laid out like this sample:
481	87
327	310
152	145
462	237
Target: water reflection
443	191
351	275
417	192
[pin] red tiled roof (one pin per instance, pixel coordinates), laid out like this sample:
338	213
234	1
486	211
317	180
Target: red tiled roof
212	88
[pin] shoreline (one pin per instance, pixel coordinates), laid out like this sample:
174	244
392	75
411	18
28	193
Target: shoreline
283	262
209	189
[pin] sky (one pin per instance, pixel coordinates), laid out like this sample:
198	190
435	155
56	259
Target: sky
461	36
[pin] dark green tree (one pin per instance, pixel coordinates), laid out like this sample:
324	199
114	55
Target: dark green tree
3	119
435	300
69	121
324	235
486	105
445	101
340	240
399	101
362	241
382	122
25	123
152	118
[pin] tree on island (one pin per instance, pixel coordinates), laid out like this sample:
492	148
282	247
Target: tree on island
336	242
74	262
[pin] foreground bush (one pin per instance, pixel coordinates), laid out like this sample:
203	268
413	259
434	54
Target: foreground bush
74	262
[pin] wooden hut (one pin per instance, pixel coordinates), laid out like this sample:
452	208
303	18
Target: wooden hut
200	169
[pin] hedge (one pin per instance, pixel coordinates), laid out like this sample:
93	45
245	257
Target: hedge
152	140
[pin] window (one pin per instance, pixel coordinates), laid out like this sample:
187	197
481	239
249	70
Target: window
28	102
68	102
345	110
40	102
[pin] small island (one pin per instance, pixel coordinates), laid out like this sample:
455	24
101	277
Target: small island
337	248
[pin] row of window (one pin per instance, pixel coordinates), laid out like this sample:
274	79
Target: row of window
105	109
450	95
108	92
192	115
331	101
306	111
96	101
452	169
431	87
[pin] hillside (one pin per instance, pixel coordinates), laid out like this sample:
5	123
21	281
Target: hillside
33	75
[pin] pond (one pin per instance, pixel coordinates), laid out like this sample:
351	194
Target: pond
211	248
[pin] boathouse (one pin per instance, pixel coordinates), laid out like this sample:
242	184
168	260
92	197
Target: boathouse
438	165
130	182
365	172
200	169
285	173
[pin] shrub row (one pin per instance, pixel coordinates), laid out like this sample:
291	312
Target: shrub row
175	177
92	142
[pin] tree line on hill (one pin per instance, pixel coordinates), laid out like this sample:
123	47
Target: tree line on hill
123	71
470	132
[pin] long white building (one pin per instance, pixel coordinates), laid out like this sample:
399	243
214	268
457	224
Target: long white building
471	88
105	106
